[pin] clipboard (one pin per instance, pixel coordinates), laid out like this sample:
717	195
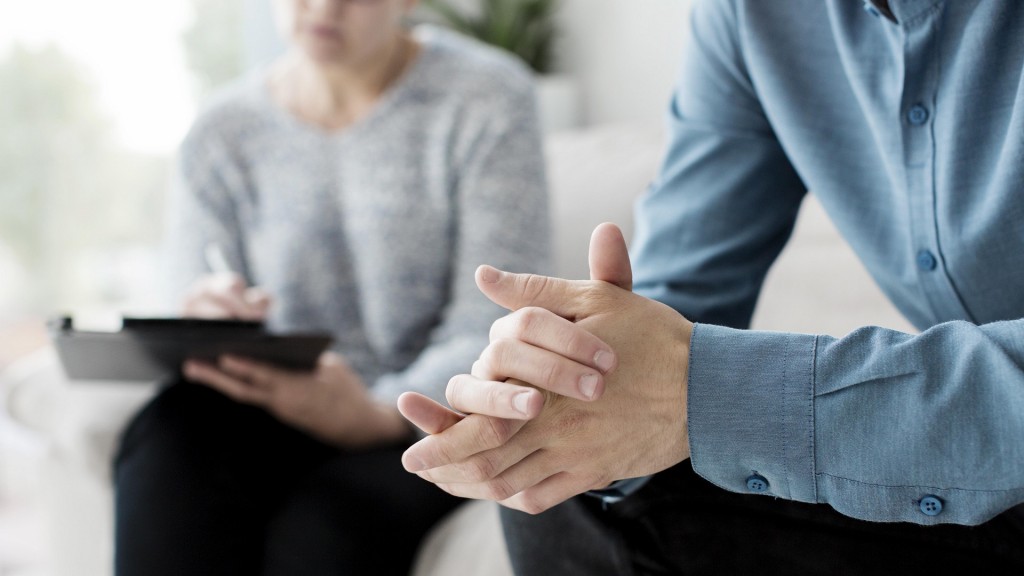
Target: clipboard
153	349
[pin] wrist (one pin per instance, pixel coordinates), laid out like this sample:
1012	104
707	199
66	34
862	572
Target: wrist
380	425
680	357
392	426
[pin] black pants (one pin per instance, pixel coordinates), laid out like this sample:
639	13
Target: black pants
680	524
208	486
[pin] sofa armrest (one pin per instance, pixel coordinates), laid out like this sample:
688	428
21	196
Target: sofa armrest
81	422
467	541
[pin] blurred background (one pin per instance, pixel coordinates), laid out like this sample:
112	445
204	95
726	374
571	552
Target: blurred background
95	97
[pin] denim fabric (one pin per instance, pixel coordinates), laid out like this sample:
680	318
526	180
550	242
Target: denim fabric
910	131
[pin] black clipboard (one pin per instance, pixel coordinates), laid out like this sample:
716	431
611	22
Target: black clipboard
153	349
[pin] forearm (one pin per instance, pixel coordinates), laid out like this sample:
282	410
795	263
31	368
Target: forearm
382	425
870	424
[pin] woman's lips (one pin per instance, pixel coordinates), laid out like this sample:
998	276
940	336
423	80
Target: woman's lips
323	31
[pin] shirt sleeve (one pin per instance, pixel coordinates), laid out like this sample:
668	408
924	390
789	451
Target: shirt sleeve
502	221
726	198
881	425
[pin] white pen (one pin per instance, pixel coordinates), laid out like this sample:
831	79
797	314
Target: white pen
218	264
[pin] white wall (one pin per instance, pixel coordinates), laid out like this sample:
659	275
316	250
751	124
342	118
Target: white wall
623	53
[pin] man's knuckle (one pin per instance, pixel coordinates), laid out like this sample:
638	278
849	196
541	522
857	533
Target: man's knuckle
534	286
494	432
499	489
480	468
444	453
491	355
532	502
574	344
495	400
527	321
549	375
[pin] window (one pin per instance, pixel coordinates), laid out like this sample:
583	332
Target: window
94	100
96	97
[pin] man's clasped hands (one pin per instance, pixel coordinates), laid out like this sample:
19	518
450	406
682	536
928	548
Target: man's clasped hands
582	384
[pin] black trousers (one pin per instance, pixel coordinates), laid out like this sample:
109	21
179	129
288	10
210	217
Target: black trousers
680	524
208	486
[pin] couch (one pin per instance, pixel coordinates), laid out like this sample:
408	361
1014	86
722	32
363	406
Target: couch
595	174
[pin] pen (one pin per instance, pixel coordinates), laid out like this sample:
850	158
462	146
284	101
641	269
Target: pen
218	264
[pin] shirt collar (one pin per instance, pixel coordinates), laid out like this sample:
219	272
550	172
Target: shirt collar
899	11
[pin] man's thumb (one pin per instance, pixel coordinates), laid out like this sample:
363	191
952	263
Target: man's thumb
609	259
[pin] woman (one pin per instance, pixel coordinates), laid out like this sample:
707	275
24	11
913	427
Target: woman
354	186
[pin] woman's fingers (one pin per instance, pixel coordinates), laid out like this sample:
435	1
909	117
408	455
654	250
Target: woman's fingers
234	388
226	296
255	373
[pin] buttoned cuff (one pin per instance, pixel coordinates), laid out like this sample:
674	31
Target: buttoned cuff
750	405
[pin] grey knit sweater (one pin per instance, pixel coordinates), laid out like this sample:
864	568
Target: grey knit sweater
373	233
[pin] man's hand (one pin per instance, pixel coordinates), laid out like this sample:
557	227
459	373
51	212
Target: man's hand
330	403
613	366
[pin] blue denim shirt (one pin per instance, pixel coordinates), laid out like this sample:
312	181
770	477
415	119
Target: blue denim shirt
910	131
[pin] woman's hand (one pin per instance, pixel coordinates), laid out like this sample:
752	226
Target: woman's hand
224	296
330	403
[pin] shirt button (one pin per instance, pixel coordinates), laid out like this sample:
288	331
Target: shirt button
931	505
757	483
926	261
917	115
870	9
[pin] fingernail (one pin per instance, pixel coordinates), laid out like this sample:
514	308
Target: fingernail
604	360
412	463
489	275
521	402
588	385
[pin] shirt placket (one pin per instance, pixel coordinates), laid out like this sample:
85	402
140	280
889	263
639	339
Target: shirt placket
918	112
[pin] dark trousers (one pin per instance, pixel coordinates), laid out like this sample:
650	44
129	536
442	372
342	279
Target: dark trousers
681	524
208	486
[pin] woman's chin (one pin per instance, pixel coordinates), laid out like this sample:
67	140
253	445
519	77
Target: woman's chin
324	52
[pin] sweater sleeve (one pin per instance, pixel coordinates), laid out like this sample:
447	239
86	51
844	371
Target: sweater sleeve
502	220
203	212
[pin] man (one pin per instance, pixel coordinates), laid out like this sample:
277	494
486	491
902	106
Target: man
882	452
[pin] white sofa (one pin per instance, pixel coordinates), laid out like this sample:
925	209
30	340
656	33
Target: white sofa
595	175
